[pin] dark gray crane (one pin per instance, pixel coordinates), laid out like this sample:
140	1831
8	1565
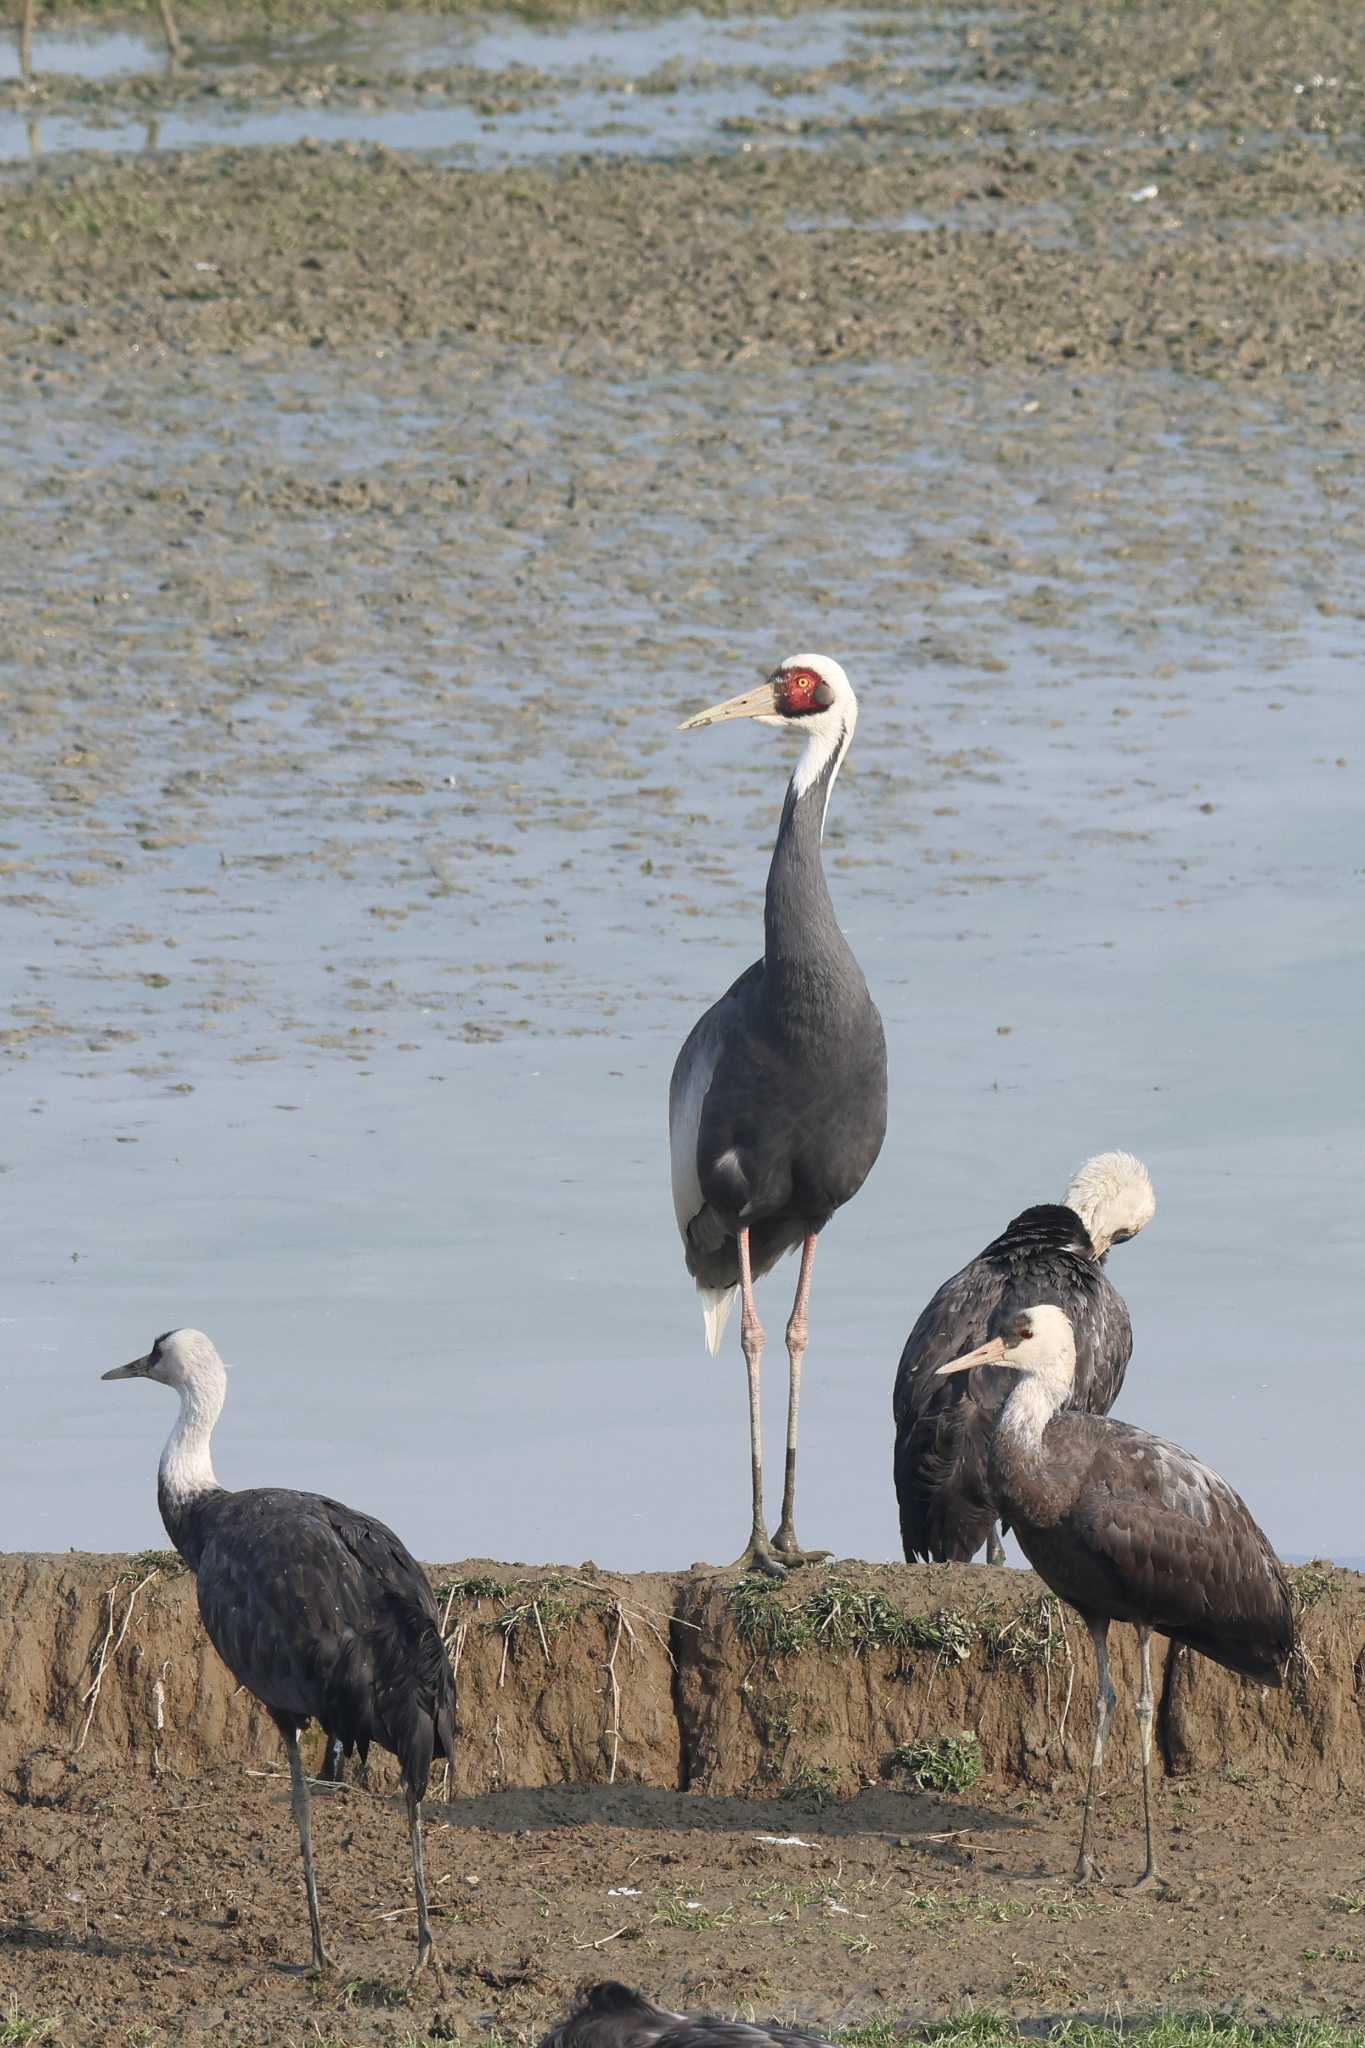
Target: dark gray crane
1053	1252
613	2016
318	1611
777	1107
1124	1526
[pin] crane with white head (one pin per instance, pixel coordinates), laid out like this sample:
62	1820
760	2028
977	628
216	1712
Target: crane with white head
319	1611
1125	1526
777	1106
1055	1251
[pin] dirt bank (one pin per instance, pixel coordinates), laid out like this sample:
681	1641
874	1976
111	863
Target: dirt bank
689	1683
904	1741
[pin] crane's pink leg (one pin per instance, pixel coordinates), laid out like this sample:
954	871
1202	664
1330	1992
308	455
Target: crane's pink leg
798	1331
759	1556
1086	1867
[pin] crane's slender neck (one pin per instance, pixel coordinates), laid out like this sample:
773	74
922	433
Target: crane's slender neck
1018	1467
185	1476
798	918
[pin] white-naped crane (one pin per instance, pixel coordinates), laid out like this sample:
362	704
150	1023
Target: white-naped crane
1124	1526
613	2016
777	1107
319	1611
1052	1252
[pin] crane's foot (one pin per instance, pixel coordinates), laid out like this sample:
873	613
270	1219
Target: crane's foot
426	1954
759	1556
1088	1870
1151	1880
790	1551
322	1964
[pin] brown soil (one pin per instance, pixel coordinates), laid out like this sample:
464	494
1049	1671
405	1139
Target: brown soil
152	1864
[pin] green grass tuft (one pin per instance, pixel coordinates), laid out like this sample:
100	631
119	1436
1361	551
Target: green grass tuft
1211	2030
1017	1641
951	1764
144	1561
473	1586
1309	1583
17	2027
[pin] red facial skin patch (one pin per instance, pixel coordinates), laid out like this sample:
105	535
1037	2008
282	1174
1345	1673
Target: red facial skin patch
799	691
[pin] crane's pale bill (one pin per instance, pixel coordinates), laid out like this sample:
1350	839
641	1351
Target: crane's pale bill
759	703
991	1353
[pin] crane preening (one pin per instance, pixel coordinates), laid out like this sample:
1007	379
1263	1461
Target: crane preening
777	1106
1124	1526
1052	1252
317	1610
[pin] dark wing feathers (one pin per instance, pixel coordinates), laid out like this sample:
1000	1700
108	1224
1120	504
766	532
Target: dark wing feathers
1155	1535
613	2016
322	1612
943	1427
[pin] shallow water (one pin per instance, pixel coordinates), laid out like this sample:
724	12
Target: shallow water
613	85
359	891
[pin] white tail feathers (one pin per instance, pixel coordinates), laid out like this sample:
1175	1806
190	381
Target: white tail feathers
716	1303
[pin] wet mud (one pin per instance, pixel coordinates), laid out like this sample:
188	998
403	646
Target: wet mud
853	1800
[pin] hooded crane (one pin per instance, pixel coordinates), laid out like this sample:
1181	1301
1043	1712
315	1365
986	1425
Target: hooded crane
613	2016
1126	1527
777	1107
1054	1252
318	1611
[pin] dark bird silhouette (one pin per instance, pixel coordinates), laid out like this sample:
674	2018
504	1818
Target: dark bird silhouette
777	1107
1054	1252
1126	1527
612	2016
317	1610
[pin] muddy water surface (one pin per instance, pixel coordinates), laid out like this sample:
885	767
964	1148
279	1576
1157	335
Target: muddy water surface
358	888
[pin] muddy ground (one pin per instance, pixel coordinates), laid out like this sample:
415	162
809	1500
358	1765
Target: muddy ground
854	1799
1129	335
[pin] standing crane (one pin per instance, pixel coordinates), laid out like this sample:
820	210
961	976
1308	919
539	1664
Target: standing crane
28	10
320	1612
1124	1526
777	1106
1053	1252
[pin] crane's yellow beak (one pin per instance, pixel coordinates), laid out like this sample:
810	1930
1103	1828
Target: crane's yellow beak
132	1371
991	1353
759	703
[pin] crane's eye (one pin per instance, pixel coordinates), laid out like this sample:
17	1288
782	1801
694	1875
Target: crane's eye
800	691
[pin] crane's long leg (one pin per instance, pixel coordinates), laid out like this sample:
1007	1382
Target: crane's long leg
298	1793
798	1333
759	1556
27	9
426	1949
1104	1715
172	34
1146	1714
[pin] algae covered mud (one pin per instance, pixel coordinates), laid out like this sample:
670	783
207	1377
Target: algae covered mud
370	516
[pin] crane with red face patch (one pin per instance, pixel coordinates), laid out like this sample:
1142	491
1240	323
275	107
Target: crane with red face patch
777	1106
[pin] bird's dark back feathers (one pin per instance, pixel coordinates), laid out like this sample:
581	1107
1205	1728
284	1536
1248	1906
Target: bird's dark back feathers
323	1613
613	2016
944	1426
1129	1526
777	1108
